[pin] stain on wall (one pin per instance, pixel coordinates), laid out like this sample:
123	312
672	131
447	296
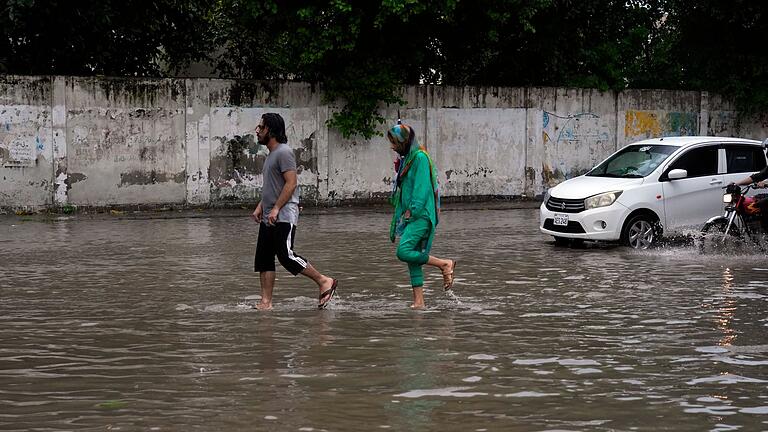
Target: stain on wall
136	178
127	154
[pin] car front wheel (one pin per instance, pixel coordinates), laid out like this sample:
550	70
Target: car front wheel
640	232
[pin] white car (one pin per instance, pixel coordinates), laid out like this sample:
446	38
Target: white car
649	188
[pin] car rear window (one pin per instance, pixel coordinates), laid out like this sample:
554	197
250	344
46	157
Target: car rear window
744	159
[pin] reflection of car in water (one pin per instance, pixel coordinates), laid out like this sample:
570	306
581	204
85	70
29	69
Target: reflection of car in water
649	188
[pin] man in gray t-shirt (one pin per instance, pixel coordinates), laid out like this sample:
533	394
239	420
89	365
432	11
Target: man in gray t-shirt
280	161
278	214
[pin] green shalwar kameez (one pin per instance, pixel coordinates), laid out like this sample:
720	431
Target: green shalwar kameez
416	191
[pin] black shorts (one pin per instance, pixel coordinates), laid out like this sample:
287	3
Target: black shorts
277	240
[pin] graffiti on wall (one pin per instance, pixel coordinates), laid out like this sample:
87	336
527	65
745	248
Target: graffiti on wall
653	124
573	143
573	128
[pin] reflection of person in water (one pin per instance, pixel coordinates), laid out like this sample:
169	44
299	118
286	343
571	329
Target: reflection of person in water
416	202
421	365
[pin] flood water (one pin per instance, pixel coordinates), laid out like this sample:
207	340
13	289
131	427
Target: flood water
123	324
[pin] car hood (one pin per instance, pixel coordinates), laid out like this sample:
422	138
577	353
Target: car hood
583	186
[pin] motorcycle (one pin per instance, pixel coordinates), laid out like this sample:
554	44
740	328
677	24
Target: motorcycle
738	226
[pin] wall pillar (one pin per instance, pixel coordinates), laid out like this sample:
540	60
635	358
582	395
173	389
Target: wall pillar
704	114
59	142
198	147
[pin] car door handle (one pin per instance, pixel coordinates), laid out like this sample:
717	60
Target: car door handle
715	181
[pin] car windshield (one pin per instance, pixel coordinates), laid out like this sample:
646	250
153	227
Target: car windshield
633	161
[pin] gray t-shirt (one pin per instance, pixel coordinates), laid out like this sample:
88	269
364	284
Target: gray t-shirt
278	161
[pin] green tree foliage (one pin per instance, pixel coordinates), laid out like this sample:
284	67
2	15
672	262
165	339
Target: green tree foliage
100	37
585	43
719	46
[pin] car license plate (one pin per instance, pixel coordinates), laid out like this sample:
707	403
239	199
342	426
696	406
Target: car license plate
561	219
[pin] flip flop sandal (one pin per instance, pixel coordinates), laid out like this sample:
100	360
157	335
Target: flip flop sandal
448	277
329	293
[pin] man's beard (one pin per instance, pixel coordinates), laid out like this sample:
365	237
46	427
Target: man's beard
262	140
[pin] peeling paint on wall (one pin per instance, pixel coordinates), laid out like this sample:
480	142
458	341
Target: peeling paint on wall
239	160
306	158
73	178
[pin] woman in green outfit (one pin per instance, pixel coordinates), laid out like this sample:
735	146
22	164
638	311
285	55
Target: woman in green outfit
417	207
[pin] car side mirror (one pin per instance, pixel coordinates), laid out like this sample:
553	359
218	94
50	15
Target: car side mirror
677	174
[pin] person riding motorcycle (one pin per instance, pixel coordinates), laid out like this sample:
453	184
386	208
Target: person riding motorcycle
757	178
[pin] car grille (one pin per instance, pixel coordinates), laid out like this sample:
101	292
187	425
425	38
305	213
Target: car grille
565	205
572	228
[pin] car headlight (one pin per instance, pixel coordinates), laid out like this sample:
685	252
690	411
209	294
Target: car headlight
546	195
601	200
727	198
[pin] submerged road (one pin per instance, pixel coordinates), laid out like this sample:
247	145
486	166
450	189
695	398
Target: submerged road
135	324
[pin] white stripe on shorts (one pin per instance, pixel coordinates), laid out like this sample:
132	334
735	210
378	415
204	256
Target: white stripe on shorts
291	255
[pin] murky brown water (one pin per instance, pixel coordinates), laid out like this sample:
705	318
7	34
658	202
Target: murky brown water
141	325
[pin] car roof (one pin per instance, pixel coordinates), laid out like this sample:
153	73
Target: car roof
685	141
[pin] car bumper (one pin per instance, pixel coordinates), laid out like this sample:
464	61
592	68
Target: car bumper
602	223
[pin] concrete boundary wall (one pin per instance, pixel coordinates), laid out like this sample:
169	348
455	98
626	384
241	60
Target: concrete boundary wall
100	142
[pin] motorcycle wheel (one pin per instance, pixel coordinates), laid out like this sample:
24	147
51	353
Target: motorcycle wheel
713	239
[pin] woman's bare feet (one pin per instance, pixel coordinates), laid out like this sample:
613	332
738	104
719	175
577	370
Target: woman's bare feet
418	298
262	306
447	270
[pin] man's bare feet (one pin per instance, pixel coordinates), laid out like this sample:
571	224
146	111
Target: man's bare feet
417	306
264	306
326	284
